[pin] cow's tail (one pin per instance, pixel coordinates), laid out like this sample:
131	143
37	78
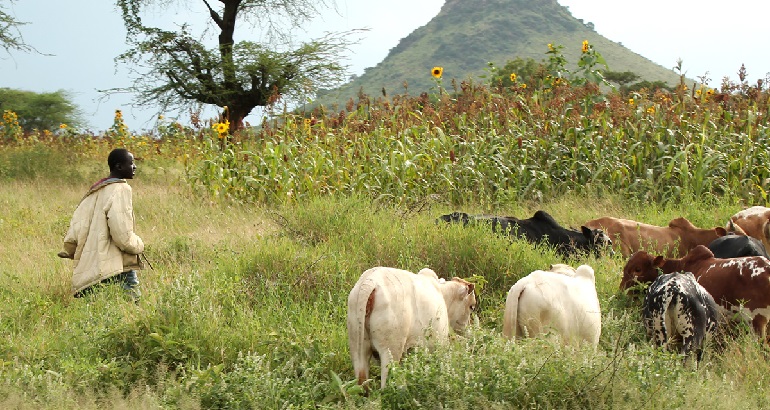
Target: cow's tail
361	304
510	317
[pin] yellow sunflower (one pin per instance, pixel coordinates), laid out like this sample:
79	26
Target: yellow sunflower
437	72
513	77
585	46
222	128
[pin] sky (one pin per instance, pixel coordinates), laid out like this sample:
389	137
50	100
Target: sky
79	39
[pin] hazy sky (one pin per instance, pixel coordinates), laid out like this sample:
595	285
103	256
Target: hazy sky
84	36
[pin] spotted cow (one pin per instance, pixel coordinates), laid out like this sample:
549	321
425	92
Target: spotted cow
754	222
738	285
678	311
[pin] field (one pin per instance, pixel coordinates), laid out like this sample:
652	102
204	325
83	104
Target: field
256	240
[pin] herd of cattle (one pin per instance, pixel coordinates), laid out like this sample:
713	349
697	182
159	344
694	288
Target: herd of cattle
697	278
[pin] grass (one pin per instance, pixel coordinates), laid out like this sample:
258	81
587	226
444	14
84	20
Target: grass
256	240
245	308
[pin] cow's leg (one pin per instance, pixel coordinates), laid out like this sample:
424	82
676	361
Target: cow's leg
658	329
392	354
760	326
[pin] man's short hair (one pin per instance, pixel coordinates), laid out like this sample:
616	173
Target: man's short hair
117	155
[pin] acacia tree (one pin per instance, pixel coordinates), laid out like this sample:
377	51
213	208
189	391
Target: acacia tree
175	70
10	36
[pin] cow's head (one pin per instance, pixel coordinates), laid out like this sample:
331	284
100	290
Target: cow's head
640	268
460	301
455	217
598	239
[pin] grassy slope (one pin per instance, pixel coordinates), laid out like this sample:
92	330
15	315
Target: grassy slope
467	35
246	307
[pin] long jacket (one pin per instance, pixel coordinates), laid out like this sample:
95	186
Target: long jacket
101	238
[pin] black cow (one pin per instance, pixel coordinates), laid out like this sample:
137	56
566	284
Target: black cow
679	311
737	246
540	228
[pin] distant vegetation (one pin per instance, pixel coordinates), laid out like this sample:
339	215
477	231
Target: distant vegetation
40	111
466	36
257	238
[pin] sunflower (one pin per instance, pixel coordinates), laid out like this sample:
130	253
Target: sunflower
222	128
437	72
513	77
585	46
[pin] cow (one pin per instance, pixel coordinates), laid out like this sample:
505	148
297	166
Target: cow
737	246
674	240
679	311
553	300
391	310
541	228
738	285
754	222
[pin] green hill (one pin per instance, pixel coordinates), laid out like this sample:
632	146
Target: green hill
468	34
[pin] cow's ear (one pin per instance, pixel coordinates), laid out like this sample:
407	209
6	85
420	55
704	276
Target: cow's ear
720	231
465	290
587	232
658	261
733	227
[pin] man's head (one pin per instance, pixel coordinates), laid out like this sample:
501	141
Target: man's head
121	164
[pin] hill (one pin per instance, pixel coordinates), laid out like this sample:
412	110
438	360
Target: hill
466	35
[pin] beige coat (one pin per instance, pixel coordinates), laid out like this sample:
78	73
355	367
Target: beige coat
101	238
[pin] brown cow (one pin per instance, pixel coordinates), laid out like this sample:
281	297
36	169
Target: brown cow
754	222
674	240
732	282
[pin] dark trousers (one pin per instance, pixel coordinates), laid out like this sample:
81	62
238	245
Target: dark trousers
128	280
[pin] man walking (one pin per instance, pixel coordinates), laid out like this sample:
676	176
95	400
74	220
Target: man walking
101	239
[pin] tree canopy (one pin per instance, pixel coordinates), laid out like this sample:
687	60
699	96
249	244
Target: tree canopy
176	70
41	111
10	36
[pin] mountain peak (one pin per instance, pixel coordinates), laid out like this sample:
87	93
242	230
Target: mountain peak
466	35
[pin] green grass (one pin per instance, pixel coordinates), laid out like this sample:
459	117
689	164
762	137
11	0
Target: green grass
246	305
256	241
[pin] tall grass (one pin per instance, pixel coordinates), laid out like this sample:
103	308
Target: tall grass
476	146
256	239
245	308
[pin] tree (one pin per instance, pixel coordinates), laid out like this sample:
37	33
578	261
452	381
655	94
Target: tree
174	70
622	78
42	111
10	36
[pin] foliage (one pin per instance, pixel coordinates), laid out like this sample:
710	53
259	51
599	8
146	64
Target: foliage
256	239
476	145
173	69
41	111
245	308
10	36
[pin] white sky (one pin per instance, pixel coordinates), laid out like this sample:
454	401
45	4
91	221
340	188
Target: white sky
84	36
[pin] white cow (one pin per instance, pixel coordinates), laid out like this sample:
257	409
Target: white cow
391	310
567	304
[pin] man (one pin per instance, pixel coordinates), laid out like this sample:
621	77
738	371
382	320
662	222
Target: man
101	238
